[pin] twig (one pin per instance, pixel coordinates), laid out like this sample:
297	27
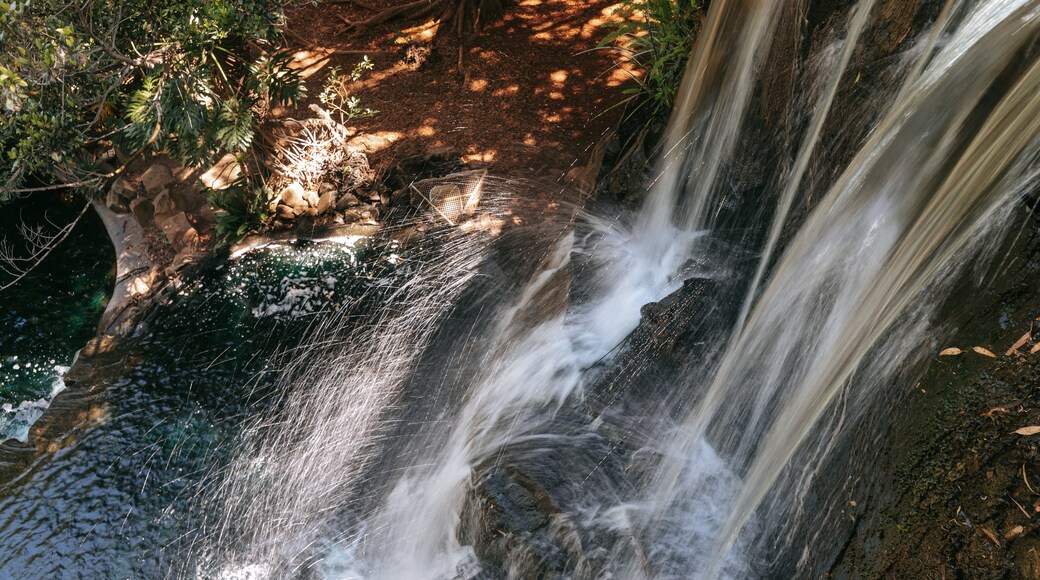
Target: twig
42	247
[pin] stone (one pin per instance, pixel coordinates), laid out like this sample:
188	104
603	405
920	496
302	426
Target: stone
338	219
326	201
187	198
293	195
347	201
443	151
156	178
311	198
311	212
182	259
223	173
206	214
123	188
163	206
116	202
285	212
179	232
143	210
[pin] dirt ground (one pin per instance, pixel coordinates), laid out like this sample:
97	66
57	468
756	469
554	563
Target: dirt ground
526	96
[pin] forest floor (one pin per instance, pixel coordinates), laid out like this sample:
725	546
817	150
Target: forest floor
526	96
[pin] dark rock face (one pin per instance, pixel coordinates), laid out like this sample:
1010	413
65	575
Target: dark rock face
519	516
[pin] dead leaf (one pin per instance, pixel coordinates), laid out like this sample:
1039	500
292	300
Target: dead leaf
1014	532
1035	349
990	534
984	351
952	351
1019	343
1031	430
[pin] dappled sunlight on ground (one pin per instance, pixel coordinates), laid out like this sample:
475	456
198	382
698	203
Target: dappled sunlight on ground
528	96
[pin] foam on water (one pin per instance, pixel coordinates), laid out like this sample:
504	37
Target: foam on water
16	420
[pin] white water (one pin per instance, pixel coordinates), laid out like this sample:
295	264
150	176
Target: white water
17	420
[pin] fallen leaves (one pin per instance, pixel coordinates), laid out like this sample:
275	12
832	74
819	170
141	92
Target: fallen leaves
1020	343
952	351
1026	431
1014	532
984	351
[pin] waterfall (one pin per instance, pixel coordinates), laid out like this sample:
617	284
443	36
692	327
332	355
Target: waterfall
831	215
936	176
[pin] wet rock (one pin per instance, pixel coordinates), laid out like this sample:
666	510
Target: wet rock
156	178
518	515
143	210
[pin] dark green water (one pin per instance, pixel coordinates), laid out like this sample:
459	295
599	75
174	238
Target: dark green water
51	313
122	500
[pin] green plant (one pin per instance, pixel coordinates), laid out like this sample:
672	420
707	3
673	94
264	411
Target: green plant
656	36
337	96
241	207
81	79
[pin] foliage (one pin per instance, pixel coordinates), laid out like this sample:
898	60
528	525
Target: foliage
656	36
337	96
241	207
79	79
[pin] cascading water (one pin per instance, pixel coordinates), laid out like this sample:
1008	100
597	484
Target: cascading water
824	237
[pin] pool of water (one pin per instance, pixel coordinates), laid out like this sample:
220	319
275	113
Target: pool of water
52	312
118	501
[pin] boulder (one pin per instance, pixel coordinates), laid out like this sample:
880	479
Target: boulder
293	195
187	198
312	198
223	173
179	232
124	188
285	212
347	201
326	201
116	202
163	206
143	210
156	178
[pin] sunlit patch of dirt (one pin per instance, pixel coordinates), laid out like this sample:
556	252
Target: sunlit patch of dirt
527	96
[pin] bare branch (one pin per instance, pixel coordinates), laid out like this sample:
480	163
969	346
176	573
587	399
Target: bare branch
40	243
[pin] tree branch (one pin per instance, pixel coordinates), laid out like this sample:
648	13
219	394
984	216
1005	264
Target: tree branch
41	245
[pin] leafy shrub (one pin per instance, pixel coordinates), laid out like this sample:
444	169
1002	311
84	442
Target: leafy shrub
656	36
242	207
190	77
